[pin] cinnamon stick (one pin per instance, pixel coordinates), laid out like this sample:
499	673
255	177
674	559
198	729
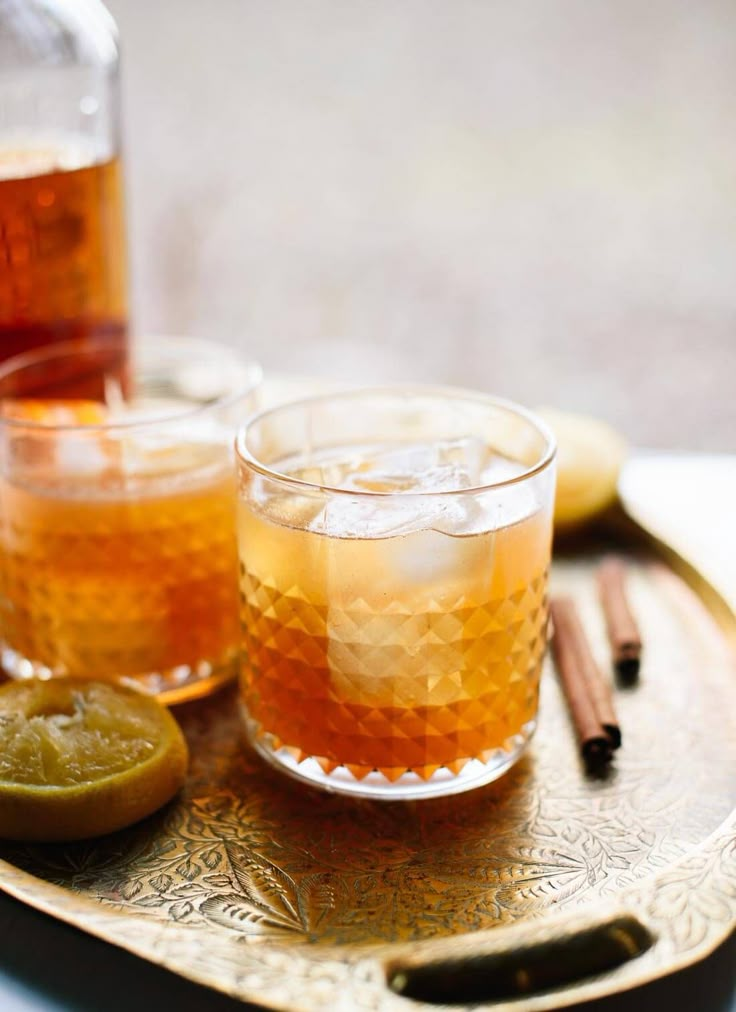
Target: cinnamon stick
622	628
596	742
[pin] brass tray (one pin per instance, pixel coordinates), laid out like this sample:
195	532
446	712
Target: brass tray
541	890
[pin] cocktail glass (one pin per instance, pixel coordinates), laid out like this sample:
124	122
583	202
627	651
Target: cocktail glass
394	548
117	517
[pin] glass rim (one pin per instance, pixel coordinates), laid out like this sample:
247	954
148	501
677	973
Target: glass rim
244	454
65	349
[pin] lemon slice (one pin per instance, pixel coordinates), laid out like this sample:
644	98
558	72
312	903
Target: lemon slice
81	758
590	455
54	412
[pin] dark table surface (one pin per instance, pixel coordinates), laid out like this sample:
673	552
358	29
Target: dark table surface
47	966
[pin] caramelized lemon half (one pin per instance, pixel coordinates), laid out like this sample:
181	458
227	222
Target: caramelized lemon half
590	455
80	758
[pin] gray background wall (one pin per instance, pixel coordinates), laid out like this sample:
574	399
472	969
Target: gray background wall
536	198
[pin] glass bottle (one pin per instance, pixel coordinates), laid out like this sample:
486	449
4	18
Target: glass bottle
62	236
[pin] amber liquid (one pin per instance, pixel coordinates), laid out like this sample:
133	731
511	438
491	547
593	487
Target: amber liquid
392	653
62	252
105	576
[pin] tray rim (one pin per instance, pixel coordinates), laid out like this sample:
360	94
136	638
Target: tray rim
125	931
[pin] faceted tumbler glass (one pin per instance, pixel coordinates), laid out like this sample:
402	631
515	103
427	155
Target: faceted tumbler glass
118	556
394	547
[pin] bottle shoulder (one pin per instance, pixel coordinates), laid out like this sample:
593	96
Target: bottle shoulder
57	32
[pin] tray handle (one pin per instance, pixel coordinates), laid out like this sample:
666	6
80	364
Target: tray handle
531	967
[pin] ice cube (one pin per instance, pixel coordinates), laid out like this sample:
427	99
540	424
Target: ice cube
497	468
431	559
398	469
285	507
370	517
415	468
80	453
463	515
469	454
421	468
442	478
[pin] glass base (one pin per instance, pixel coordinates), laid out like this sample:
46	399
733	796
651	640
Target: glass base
409	786
174	685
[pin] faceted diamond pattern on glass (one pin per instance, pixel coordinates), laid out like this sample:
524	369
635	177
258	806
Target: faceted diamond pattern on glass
387	688
121	586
